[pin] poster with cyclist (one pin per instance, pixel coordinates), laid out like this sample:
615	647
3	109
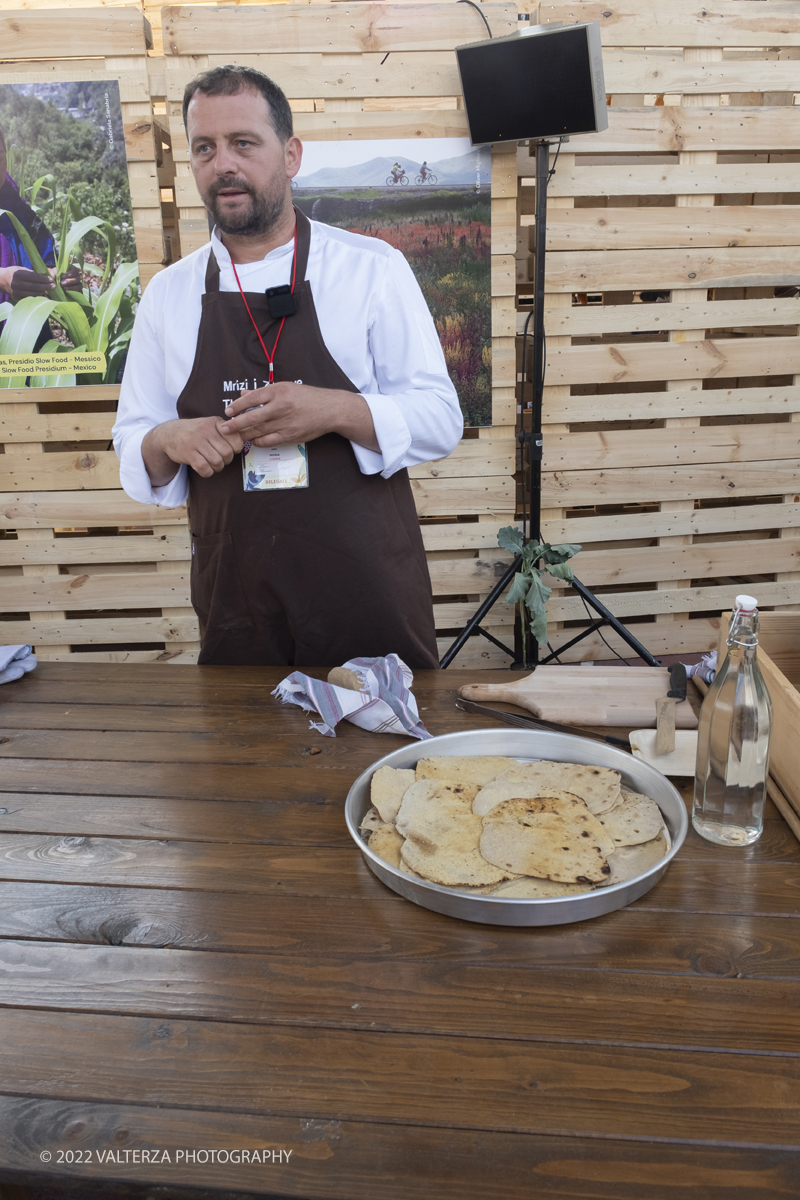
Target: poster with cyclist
429	198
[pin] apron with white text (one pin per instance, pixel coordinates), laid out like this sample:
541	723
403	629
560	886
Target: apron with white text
307	576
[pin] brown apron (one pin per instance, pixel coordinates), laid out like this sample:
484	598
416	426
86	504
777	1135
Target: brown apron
306	576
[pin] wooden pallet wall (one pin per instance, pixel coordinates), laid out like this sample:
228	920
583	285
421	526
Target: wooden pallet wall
84	570
662	452
672	435
385	71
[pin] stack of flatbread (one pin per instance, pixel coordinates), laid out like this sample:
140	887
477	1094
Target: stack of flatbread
501	827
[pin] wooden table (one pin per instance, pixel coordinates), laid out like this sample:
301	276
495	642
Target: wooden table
196	958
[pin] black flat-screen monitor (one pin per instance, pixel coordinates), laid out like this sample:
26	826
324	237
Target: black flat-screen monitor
542	83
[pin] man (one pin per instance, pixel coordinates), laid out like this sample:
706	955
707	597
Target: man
311	350
17	277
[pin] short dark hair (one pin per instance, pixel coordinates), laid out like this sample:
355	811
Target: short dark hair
3	138
230	80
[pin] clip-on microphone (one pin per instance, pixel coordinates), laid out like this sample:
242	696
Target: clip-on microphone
281	302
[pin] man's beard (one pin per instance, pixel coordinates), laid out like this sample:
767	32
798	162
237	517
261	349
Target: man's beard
265	211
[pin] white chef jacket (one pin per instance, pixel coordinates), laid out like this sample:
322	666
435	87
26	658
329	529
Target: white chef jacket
374	322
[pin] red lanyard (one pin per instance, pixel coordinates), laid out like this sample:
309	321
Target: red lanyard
269	357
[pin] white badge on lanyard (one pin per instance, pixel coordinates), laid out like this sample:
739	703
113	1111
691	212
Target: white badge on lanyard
271	468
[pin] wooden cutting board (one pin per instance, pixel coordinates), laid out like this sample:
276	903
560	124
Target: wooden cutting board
588	695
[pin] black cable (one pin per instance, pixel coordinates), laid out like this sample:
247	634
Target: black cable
602	639
555	160
477	9
522	422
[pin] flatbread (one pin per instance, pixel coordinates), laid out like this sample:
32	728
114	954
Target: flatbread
500	790
428	808
475	770
372	820
635	820
537	889
598	786
549	837
628	862
387	788
387	843
455	859
492	825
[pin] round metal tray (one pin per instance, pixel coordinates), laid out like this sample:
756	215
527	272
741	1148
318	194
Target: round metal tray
525	746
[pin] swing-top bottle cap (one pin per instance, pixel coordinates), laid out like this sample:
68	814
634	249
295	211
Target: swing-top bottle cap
748	603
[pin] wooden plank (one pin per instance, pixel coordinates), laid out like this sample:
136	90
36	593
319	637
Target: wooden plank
45	472
587	320
57	427
451	576
26	34
346	1151
363	28
633	525
68	593
132	77
425	123
117	656
464	536
171	547
660	939
634	72
703	402
217	748
100	630
649	564
691	599
619	270
745	1096
673	128
630	228
445	497
668	180
139	144
340	76
504	275
661	447
472	457
478	654
36	510
455	616
725	358
627	486
683	23
232	987
77	395
253	869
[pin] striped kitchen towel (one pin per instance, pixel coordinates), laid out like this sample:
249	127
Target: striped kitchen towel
15	661
384	705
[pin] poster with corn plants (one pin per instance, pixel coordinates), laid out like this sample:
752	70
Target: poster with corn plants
429	198
69	278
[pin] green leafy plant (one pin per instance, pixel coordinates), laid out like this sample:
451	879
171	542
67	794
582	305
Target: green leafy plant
98	319
527	588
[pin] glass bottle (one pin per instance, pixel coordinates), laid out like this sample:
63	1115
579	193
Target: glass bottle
733	740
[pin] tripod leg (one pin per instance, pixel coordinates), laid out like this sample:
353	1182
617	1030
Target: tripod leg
615	624
475	621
